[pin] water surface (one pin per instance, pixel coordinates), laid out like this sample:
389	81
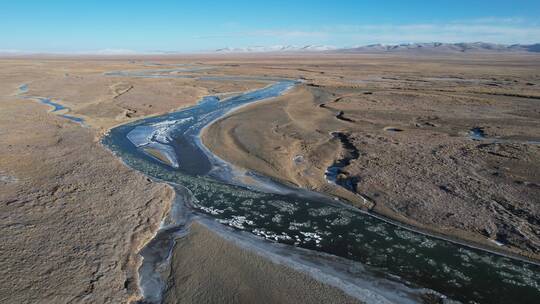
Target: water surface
168	148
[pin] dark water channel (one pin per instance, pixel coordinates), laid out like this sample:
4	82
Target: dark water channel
168	148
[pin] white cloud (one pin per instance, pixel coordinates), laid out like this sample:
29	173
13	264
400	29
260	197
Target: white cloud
112	52
454	32
488	29
103	52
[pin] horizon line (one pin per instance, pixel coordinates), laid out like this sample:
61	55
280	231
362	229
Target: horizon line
275	48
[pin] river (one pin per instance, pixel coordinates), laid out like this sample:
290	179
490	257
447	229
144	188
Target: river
394	263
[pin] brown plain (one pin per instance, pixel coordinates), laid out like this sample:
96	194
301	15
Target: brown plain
73	217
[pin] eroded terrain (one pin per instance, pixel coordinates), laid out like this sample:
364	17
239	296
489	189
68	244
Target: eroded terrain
415	158
445	144
74	218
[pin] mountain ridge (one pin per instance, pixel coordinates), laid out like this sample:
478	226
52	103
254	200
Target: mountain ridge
431	47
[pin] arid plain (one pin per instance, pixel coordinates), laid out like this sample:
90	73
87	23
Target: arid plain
446	144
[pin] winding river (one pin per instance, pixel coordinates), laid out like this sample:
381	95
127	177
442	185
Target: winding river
56	107
369	258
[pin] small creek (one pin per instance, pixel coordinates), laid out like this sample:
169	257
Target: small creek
335	173
478	134
56	107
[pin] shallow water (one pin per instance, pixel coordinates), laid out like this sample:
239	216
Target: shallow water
160	73
479	134
56	106
59	107
311	221
335	173
23	89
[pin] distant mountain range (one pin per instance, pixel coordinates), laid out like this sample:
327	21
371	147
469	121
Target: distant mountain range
413	48
278	48
405	48
437	47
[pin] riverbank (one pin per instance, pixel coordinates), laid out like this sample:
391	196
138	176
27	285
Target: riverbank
209	269
74	217
417	164
50	174
343	231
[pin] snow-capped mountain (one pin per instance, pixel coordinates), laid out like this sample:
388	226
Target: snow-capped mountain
438	47
420	48
278	48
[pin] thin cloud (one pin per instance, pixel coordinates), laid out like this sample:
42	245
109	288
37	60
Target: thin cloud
267	33
488	29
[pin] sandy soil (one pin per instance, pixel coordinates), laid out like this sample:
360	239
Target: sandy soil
408	118
73	217
105	101
208	269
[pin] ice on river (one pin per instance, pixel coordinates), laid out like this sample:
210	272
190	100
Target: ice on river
158	136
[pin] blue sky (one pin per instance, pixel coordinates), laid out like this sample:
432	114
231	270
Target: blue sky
142	26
